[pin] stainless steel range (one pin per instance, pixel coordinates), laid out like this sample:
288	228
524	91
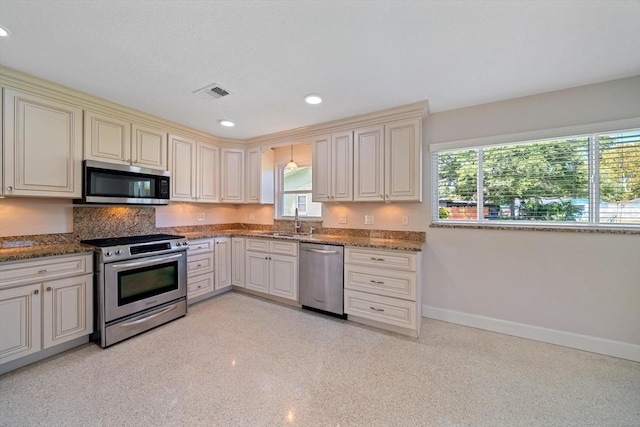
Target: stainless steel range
141	282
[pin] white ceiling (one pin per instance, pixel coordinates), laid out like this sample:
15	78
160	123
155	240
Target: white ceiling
361	56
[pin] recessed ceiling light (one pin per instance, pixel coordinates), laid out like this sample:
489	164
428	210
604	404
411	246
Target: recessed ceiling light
313	99
4	32
226	123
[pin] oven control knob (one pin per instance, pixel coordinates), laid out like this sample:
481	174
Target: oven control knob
118	252
178	244
185	243
108	253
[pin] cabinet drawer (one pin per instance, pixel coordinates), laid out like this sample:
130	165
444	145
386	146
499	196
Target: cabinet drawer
382	309
199	264
283	247
45	269
380	258
199	285
200	246
258	245
397	284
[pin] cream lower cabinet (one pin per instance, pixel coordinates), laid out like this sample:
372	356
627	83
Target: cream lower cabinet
237	261
44	303
222	262
382	289
272	267
42	140
200	266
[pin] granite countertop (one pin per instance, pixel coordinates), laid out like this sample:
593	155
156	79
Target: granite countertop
45	250
38	251
367	242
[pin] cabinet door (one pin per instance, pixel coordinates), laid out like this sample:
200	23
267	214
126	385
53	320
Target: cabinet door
260	176
149	147
237	261
208	173
321	163
223	262
67	309
257	271
284	276
403	161
182	165
368	164
342	166
106	138
232	175
20	332
42	146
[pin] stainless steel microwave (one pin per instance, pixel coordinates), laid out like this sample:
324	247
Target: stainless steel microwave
108	183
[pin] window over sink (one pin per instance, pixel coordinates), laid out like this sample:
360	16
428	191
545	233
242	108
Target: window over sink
294	191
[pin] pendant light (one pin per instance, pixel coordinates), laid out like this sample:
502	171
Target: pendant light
291	165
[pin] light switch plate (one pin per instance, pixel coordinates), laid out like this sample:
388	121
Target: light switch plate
200	216
342	218
368	219
405	220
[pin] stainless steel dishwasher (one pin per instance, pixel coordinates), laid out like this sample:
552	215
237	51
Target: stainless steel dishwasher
321	278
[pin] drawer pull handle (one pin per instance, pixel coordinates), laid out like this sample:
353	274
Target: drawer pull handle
199	265
42	271
376	309
377	259
376	282
36	292
199	286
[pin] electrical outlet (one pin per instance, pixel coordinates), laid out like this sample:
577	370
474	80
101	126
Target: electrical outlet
200	216
405	220
342	218
368	219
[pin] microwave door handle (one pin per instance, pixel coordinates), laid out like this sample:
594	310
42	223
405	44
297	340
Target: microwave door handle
146	262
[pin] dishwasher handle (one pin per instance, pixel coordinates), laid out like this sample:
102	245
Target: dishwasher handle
320	251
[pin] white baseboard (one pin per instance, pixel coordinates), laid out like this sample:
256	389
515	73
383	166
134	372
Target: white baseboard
552	336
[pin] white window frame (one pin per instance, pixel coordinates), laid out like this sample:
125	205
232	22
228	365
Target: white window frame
280	191
594	173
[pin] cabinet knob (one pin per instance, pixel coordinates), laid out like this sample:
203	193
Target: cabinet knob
386	195
376	309
36	292
48	288
381	196
9	189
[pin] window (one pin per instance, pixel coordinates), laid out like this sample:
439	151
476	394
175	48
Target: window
295	192
589	179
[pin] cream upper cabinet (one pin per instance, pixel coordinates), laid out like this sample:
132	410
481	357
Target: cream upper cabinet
388	162
368	164
114	140
232	175
208	173
260	176
42	141
149	148
403	161
333	167
182	165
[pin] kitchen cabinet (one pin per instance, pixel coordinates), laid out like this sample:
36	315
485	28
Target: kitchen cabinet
232	175
381	288
42	140
44	303
272	267
237	261
200	268
332	167
260	176
388	162
222	265
194	170
111	139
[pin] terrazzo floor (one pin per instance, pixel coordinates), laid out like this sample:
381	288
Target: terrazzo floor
237	360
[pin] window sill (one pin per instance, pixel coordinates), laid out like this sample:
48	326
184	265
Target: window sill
606	229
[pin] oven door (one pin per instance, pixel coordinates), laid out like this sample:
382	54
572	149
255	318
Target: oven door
139	284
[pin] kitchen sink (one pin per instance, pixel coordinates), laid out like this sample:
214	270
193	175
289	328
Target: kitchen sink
278	234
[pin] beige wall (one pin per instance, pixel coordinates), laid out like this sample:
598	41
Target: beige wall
29	216
576	289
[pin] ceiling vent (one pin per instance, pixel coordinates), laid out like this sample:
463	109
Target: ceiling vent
214	91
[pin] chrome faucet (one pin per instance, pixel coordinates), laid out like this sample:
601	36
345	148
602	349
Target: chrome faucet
297	225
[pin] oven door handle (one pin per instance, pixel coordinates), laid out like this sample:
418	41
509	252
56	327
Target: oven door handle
145	262
145	319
